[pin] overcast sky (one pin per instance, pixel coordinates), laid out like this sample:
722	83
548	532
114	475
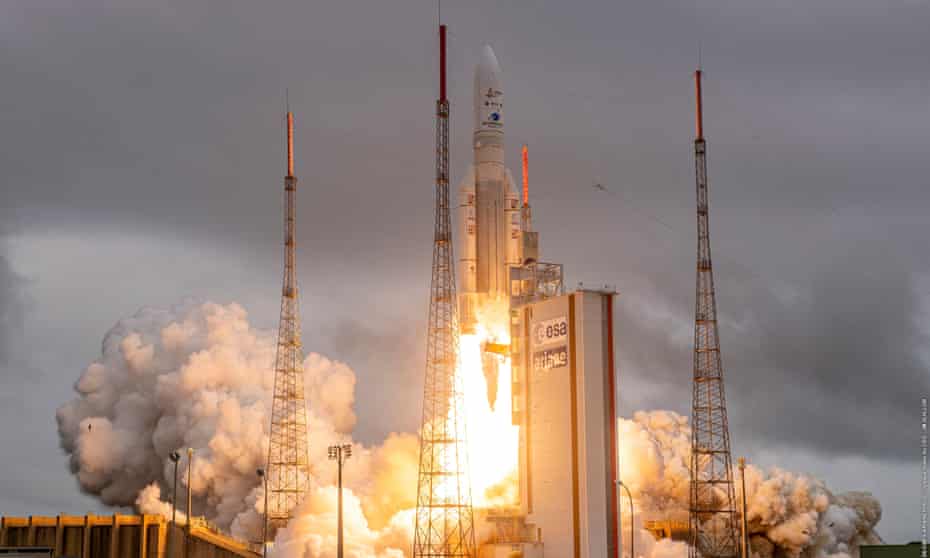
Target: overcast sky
141	154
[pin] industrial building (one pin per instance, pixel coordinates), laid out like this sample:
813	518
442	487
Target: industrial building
116	536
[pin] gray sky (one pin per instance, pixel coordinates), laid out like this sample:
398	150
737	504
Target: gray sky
141	155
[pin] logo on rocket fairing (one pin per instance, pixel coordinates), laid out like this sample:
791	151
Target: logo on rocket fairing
493	104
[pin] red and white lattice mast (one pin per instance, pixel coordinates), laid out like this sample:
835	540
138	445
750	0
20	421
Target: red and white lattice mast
288	462
444	520
713	524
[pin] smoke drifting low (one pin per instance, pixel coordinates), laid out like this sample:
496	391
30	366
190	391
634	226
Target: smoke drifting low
789	514
200	376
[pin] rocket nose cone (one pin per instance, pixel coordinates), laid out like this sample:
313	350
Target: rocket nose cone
488	70
488	95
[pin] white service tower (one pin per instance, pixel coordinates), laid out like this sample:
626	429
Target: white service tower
489	205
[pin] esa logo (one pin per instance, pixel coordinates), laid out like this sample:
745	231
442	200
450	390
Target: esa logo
495	116
550	331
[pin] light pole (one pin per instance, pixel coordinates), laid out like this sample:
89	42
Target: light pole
176	457
630	497
261	475
744	524
340	454
190	515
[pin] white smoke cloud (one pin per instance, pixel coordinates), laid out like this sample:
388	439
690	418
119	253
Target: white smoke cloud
199	376
149	501
789	514
312	532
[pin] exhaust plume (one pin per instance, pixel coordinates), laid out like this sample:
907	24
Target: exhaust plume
199	375
789	514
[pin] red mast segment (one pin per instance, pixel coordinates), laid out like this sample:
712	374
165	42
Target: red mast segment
442	63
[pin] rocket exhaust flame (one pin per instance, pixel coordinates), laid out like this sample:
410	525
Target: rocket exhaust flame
489	366
493	439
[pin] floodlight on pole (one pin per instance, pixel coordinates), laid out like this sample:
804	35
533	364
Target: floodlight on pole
190	514
175	457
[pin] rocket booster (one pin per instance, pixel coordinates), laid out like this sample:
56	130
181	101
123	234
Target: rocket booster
489	205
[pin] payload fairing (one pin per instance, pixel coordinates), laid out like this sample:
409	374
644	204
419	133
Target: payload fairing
489	206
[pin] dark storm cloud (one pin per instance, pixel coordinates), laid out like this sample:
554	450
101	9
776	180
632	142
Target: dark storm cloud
167	118
832	364
164	119
845	355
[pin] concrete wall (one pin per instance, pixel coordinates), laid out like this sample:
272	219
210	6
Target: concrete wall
118	536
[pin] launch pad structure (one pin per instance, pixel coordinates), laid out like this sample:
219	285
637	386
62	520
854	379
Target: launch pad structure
560	348
563	373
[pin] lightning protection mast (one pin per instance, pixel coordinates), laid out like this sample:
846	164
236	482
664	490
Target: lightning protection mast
288	462
712	505
444	525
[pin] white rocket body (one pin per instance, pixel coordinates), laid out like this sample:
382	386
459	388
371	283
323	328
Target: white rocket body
489	205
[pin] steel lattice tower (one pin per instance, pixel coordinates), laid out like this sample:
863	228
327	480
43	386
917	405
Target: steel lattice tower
288	462
712	509
444	521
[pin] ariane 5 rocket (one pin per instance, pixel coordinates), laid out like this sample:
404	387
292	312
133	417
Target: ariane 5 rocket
489	212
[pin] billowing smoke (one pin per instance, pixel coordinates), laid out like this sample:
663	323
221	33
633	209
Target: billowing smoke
199	376
789	514
312	532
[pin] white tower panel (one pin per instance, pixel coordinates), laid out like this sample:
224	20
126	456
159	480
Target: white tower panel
568	429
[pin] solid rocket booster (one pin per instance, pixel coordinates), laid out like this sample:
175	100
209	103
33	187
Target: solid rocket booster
489	205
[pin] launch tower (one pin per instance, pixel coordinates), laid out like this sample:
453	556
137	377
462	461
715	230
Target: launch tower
712	509
288	462
444	521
